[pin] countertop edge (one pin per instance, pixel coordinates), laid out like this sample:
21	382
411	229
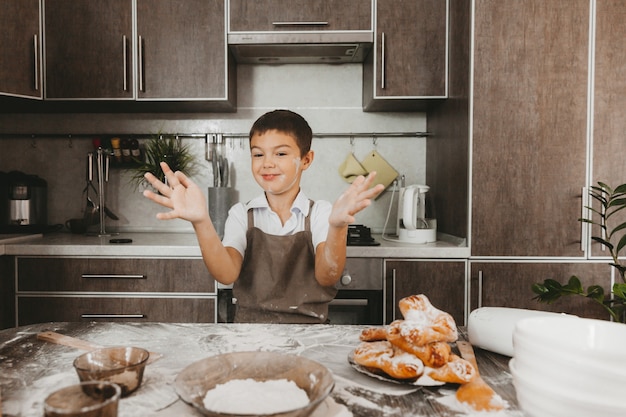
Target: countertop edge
185	245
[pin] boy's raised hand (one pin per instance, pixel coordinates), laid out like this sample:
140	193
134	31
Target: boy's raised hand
180	194
357	197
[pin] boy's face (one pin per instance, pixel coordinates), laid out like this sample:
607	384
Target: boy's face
276	161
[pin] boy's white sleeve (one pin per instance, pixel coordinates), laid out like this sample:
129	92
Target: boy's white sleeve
319	221
235	228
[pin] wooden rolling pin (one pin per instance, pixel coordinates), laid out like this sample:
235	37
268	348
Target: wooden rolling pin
61	339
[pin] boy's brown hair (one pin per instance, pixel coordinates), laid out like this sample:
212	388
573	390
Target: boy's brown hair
287	122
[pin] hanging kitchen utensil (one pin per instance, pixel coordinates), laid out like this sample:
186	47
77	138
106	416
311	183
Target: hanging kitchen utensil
90	216
385	173
351	168
476	393
216	172
225	172
110	214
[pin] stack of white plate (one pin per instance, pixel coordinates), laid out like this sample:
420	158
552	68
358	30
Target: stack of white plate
568	366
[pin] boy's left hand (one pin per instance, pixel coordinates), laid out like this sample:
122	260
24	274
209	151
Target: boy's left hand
357	197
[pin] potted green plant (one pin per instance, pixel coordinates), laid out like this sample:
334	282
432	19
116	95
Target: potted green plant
163	148
611	201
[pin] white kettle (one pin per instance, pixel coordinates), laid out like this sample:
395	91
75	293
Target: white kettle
412	224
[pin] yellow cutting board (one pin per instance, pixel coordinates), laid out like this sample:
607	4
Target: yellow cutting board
385	173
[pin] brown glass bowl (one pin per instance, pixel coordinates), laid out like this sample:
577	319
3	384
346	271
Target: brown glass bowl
91	398
123	366
197	379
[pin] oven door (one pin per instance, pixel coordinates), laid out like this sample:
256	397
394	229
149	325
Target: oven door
348	307
356	307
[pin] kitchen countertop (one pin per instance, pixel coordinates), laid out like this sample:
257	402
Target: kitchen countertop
186	245
30	369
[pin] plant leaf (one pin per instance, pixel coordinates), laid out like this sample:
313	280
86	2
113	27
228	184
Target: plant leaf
603	242
621	244
621	189
619	290
574	285
596	293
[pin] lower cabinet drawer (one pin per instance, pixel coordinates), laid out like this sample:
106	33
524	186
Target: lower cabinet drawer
170	310
113	275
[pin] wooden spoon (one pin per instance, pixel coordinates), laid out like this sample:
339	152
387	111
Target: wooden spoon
476	393
61	339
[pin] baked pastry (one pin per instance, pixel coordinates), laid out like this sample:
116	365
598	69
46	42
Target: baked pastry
432	354
372	334
457	370
383	356
423	337
424	323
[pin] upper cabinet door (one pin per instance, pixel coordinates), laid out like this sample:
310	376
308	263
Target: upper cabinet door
20	49
529	144
88	49
410	59
181	49
609	123
300	15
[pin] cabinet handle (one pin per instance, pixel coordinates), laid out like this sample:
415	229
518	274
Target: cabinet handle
480	289
583	225
36	49
393	294
313	23
349	302
140	64
603	230
382	60
112	316
113	276
124	52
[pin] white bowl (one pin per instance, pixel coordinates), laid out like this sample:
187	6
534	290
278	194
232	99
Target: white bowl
599	338
567	367
540	398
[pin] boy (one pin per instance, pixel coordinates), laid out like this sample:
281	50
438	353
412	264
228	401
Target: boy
282	252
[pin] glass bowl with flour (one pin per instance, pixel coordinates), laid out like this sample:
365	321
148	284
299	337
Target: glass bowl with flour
255	383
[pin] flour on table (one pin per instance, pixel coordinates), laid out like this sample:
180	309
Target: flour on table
248	396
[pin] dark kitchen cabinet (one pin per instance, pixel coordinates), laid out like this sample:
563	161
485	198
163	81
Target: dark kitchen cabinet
20	49
509	284
179	55
300	15
529	144
408	67
609	100
182	52
88	49
37	309
144	289
7	292
442	281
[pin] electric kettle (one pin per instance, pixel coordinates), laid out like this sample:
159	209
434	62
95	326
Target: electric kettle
413	225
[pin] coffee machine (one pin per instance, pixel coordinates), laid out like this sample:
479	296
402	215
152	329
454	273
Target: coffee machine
24	203
415	223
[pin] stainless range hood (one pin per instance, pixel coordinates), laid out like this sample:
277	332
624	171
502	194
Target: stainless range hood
300	48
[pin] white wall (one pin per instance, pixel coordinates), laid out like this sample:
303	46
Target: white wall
328	96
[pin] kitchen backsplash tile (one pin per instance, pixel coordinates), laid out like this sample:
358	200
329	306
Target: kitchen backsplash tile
328	96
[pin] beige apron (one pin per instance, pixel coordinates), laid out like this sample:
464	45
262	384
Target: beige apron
277	281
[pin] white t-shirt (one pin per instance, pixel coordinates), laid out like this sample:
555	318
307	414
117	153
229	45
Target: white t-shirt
268	221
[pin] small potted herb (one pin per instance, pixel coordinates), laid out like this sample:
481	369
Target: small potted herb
611	202
163	148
